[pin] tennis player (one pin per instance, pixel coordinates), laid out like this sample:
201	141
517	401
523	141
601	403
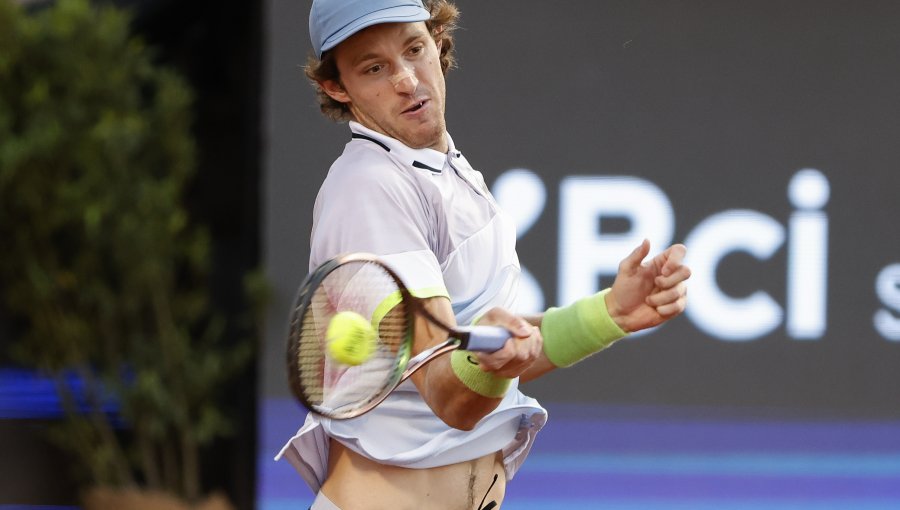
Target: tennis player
456	432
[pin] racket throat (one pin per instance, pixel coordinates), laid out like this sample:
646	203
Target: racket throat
428	355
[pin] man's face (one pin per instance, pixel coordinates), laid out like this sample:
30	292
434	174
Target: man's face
391	80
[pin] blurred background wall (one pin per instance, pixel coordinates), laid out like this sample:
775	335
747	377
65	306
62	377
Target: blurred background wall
761	134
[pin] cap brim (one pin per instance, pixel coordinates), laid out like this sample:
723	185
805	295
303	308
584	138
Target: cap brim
405	14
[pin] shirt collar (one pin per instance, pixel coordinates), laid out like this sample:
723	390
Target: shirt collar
430	159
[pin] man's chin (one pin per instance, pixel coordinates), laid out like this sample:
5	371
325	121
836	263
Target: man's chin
431	139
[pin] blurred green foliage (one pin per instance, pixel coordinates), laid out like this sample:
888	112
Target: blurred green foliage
100	261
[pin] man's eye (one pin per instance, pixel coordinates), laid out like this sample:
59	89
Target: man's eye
374	69
415	50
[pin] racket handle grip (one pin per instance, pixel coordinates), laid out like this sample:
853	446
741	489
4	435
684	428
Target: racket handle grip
485	338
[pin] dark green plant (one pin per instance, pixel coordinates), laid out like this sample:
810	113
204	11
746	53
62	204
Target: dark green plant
99	261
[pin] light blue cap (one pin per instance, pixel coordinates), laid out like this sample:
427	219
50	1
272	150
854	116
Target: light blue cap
332	21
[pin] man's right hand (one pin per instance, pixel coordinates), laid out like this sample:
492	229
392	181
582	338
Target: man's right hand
519	353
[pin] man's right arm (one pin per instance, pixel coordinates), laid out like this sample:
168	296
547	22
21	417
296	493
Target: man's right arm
454	402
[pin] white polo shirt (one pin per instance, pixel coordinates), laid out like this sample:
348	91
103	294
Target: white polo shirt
429	216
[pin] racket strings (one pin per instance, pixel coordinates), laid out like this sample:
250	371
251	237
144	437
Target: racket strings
310	355
332	387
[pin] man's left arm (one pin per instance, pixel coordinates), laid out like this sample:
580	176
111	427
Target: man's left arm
642	296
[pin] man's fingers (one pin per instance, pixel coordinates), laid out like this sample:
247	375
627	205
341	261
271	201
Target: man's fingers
634	259
518	326
672	309
516	355
666	296
678	275
673	258
669	302
506	359
491	361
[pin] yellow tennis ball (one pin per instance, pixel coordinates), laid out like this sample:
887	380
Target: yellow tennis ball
351	338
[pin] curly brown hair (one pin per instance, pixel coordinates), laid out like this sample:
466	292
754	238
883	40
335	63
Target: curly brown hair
441	26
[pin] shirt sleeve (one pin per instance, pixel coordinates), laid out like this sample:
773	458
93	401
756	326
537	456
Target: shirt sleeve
377	209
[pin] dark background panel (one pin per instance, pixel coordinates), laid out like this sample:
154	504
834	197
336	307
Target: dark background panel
718	104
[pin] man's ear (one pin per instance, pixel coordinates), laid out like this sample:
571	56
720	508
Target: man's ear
335	91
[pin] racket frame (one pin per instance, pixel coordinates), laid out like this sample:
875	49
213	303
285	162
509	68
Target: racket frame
458	336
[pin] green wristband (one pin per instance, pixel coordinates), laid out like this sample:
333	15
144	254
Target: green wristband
486	384
574	332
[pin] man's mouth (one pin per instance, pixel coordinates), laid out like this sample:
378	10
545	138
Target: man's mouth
416	106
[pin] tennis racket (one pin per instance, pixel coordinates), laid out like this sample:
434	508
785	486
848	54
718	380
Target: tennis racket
362	284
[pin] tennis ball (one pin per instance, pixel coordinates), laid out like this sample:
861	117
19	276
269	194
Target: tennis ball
350	337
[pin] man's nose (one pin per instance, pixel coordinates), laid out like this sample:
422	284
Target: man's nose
405	81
